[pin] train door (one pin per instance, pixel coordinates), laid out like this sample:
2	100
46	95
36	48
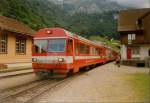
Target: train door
75	54
70	47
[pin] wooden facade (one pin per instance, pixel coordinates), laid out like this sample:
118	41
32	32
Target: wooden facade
15	42
134	28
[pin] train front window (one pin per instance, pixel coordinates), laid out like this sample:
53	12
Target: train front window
40	46
57	45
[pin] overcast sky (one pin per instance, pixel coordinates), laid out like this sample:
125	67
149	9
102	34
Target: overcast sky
135	3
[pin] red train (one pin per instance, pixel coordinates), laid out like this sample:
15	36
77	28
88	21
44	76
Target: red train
58	53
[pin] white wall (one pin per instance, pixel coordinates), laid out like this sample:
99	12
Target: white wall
123	52
144	52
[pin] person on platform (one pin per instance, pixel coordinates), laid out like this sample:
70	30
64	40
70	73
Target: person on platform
118	60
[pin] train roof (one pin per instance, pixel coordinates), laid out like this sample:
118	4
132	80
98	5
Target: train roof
73	35
60	32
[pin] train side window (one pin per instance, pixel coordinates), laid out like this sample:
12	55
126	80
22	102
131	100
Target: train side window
84	49
94	50
97	51
100	51
91	50
76	48
87	50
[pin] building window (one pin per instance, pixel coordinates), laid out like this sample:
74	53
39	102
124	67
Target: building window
136	50
20	45
131	36
3	43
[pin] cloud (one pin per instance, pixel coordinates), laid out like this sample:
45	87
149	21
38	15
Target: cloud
134	3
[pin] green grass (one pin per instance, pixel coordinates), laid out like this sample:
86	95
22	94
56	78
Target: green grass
141	85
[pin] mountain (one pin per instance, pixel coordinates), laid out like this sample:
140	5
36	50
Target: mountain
88	6
36	13
68	14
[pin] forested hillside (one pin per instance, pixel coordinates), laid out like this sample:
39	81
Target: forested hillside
43	13
35	13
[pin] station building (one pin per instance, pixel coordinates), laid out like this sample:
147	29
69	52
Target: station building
15	43
134	28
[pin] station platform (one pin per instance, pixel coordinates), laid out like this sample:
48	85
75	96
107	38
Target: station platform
16	69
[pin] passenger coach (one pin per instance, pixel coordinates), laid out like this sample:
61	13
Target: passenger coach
58	53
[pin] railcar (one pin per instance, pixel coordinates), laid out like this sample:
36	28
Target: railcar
111	54
58	53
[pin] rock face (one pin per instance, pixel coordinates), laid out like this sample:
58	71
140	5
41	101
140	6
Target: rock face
88	6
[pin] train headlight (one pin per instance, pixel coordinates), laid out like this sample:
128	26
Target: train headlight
60	59
34	59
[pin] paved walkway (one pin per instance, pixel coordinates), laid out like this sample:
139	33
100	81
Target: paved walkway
102	84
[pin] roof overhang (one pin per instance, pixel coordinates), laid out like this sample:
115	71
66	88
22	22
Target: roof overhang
16	32
132	31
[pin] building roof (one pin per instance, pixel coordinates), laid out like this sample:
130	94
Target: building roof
15	26
128	19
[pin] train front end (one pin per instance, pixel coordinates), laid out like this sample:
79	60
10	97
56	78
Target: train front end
52	55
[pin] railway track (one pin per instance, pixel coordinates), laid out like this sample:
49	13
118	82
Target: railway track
14	90
27	95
